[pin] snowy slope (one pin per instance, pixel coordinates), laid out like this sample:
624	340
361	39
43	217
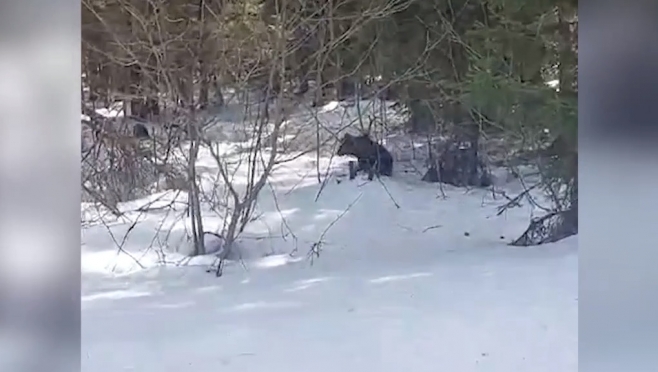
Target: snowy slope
406	279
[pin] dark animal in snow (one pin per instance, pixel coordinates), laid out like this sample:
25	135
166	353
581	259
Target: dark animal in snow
140	131
372	157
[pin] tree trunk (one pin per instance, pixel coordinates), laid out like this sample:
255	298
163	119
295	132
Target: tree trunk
218	97
567	55
193	190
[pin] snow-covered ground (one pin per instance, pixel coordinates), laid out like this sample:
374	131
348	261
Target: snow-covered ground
409	278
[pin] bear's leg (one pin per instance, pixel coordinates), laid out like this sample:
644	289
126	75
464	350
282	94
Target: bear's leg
353	169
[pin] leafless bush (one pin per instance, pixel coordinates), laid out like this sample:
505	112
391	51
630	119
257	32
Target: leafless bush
118	167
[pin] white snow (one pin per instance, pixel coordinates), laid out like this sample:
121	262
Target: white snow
429	286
